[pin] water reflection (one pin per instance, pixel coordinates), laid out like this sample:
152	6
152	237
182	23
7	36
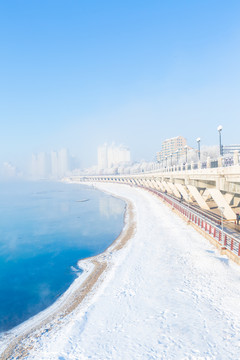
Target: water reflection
110	206
44	231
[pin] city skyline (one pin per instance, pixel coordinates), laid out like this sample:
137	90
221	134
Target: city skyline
80	75
56	164
110	156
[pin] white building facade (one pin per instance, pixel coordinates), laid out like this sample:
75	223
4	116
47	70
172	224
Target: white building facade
54	165
113	156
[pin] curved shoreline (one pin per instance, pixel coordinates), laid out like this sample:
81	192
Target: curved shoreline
20	340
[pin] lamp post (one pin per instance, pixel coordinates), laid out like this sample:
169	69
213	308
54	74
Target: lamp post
220	139
198	141
166	161
171	159
185	147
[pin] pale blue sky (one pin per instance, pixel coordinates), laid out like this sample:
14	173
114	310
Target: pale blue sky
77	74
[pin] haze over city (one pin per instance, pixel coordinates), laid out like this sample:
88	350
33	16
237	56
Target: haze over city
76	75
120	179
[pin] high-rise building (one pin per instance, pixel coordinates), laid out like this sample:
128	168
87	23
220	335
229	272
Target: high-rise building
43	166
170	147
112	156
63	162
103	157
34	167
125	156
54	164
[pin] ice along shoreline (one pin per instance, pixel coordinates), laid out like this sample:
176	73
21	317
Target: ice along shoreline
18	341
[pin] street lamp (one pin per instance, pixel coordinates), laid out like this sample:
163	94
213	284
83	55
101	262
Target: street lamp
198	141
186	147
220	139
171	159
166	161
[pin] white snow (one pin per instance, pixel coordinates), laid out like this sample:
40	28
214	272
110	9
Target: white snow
168	295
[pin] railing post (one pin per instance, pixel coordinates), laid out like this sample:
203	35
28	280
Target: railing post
232	244
239	249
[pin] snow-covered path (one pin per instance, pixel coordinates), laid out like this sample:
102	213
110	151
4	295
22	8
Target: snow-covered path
169	295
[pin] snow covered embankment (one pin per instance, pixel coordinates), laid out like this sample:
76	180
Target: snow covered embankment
169	295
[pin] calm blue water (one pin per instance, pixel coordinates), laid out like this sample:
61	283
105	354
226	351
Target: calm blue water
44	231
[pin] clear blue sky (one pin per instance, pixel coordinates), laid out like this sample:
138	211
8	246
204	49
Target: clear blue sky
77	74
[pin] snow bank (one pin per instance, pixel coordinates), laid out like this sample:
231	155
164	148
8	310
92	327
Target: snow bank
167	295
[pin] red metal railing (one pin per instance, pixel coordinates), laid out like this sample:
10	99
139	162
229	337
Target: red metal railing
207	223
224	239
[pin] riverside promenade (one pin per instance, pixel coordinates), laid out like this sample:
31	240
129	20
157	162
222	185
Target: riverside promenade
208	193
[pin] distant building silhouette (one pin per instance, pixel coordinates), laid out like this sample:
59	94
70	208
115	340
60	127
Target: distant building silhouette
113	156
229	149
54	165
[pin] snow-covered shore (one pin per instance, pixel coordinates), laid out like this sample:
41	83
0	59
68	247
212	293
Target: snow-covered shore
167	294
17	342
